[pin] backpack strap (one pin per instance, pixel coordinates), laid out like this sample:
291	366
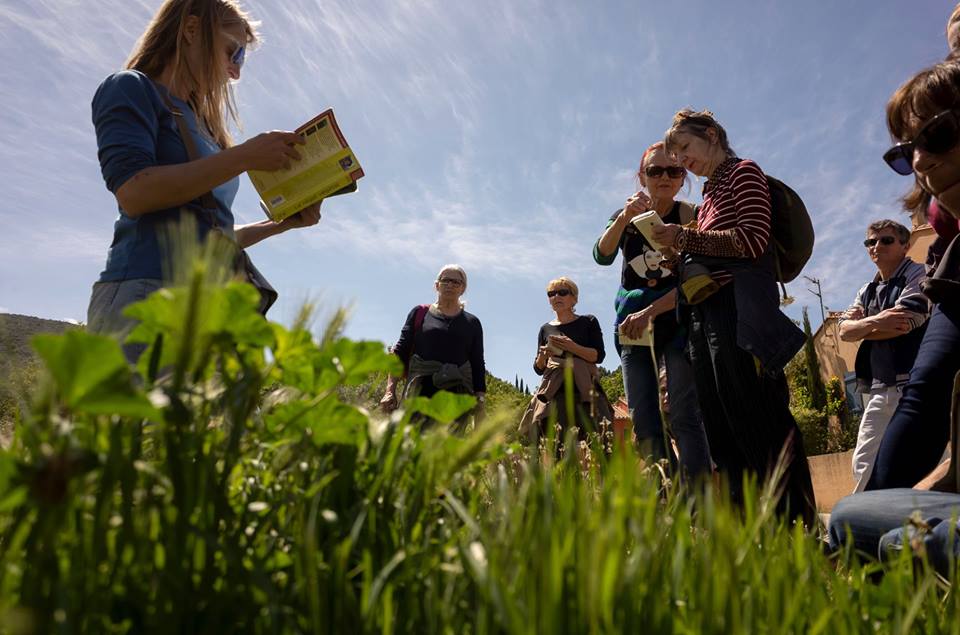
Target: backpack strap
418	318
207	201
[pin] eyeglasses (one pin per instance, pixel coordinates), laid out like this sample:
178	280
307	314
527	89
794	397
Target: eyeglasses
656	171
560	292
454	281
938	135
883	240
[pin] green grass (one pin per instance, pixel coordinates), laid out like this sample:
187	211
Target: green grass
230	490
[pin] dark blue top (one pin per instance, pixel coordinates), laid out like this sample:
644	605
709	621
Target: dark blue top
584	330
882	363
443	338
135	130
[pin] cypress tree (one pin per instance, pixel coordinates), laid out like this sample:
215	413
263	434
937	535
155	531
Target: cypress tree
815	386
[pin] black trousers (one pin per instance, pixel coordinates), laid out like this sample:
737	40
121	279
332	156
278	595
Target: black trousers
746	410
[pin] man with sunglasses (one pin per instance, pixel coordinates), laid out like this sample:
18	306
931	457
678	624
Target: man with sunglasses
889	317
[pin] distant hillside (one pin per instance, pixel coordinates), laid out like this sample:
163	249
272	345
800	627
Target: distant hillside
17	330
18	363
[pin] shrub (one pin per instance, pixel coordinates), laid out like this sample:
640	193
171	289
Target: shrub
814	426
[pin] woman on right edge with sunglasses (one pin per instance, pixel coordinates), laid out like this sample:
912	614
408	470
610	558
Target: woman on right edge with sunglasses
924	116
648	295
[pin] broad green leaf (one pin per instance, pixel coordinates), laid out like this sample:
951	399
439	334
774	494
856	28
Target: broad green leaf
358	360
328	421
160	314
444	406
92	375
237	304
293	354
227	314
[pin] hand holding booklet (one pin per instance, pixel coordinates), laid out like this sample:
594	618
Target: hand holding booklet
327	167
645	339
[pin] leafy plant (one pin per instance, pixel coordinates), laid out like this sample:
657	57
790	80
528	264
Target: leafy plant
228	486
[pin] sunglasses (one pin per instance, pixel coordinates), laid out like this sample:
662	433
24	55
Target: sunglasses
454	281
883	240
938	135
656	171
560	292
237	52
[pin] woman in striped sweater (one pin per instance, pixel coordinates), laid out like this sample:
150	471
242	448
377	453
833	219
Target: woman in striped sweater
744	401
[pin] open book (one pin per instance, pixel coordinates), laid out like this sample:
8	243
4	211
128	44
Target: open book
328	167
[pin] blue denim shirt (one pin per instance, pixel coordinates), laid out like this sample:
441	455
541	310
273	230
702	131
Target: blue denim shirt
135	130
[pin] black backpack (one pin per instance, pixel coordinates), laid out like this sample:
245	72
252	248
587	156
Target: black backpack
791	230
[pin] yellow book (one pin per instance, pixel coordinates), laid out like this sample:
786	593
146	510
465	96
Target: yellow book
327	167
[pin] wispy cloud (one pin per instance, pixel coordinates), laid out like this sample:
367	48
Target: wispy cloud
499	134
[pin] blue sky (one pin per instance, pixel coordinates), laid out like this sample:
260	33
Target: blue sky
498	134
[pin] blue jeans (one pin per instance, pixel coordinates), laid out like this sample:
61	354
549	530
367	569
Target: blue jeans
875	520
920	427
641	384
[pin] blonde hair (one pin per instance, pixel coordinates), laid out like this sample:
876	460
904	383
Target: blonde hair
696	122
163	45
566	283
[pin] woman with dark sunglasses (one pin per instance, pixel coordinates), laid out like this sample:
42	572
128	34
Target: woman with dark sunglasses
440	345
180	70
647	296
568	339
922	116
739	338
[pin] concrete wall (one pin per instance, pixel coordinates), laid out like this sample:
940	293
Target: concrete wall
836	356
832	476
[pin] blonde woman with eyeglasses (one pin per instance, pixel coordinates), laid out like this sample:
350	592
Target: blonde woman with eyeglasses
440	345
178	74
